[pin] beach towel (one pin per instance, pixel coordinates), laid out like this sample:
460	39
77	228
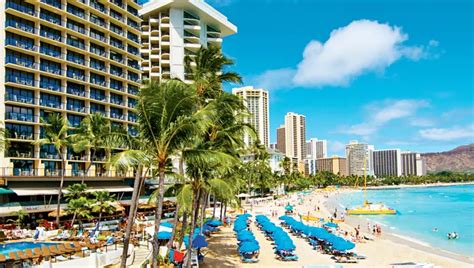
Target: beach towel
178	256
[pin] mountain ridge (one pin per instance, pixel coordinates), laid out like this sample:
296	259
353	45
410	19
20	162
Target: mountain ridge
459	159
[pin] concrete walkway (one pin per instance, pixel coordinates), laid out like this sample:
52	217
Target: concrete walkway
141	253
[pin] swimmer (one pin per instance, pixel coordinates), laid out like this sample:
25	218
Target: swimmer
435	229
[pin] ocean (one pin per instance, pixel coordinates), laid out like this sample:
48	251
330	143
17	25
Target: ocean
421	210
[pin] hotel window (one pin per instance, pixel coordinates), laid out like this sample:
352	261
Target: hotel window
116	29
97	64
116	42
50	83
97	94
50	67
133	37
133	50
20	23
116	113
74	120
75	105
98	79
76	26
21	6
132	90
97	35
48	151
75	41
75	57
16	131
75	73
19	95
50	33
115	84
20	77
132	10
19	113
75	11
50	16
97	108
97	20
133	77
20	41
76	89
132	103
49	100
116	99
115	70
50	50
98	50
20	59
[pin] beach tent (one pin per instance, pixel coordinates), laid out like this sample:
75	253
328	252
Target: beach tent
249	247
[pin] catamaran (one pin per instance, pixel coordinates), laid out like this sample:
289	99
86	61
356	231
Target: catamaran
369	208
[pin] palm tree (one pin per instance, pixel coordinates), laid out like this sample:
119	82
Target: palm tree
79	207
167	119
102	204
94	134
74	192
207	70
55	132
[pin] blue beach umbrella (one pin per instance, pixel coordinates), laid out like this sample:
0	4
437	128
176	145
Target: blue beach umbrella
214	223
248	247
289	207
330	225
288	246
167	224
342	245
164	235
284	217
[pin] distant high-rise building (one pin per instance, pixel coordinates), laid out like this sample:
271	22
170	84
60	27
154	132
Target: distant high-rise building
273	146
310	167
387	162
174	29
335	164
256	100
316	149
281	139
295	135
359	158
413	164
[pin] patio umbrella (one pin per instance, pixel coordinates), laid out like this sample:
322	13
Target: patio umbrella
288	246
249	247
246	237
164	235
199	241
167	224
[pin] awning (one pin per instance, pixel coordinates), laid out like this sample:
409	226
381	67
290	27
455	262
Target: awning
25	191
5	191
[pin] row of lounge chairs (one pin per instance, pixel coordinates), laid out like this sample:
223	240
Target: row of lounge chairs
53	252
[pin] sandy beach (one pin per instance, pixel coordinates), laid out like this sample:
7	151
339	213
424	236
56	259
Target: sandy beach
384	251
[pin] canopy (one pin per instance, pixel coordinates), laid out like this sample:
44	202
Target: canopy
248	247
164	235
5	191
26	191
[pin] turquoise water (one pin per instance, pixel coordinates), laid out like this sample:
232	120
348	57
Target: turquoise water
14	246
449	209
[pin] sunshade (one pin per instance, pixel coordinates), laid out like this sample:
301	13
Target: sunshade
248	247
164	235
331	225
214	223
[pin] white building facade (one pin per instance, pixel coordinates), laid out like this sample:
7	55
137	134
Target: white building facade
172	29
359	159
257	102
413	164
295	136
316	149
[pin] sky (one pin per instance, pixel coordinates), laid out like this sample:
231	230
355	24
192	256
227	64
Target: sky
396	74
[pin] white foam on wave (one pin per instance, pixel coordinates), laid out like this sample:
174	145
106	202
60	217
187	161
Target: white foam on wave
412	240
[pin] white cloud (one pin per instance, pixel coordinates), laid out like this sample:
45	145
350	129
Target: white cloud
448	134
336	147
380	113
421	122
362	46
274	79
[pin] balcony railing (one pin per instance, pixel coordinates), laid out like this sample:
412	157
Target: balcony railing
49	155
21	44
20	80
19	154
54	3
76	108
51	104
19	98
20	117
27	8
50	18
19	25
50	35
51	86
77	92
21	61
50	69
51	52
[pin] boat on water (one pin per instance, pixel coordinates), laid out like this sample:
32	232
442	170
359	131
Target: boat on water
372	209
369	208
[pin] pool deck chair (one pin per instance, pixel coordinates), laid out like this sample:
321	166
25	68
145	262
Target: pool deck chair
22	255
13	257
3	258
33	256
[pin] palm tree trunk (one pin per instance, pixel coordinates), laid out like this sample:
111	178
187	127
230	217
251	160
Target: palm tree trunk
204	197
175	221
158	212
183	229
195	211
214	207
61	185
222	209
225	209
73	219
131	217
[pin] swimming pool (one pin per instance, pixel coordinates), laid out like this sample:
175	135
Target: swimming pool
14	246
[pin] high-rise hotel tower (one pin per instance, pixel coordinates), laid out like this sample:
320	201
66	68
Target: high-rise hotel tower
172	29
72	57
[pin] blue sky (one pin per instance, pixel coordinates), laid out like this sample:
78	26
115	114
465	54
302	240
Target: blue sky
396	74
